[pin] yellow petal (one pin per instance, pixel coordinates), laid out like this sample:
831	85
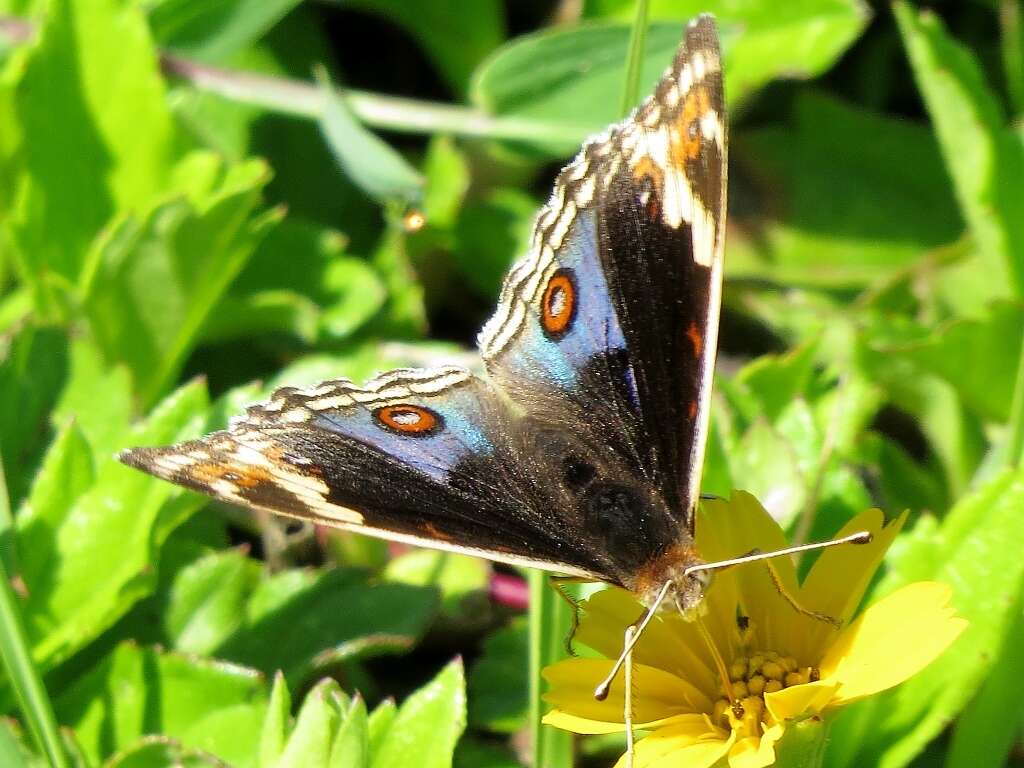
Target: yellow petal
667	643
755	752
837	580
657	695
892	640
800	700
729	529
689	743
556	718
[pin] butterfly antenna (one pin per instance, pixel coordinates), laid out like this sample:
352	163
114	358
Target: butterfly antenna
633	633
861	537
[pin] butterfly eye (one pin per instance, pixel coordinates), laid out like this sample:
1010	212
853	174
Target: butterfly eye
413	420
558	305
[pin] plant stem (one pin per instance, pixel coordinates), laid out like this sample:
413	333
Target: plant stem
1015	436
635	57
549	625
33	701
1011	28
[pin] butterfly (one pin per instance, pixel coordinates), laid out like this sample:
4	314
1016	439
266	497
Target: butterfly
579	448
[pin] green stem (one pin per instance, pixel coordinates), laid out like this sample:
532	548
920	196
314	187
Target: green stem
301	99
1011	27
549	625
33	701
635	57
1015	437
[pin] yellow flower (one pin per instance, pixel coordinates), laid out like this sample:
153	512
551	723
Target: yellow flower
784	665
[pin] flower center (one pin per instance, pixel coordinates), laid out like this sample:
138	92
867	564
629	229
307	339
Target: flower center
751	677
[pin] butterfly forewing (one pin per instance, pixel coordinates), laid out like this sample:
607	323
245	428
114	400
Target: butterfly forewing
580	450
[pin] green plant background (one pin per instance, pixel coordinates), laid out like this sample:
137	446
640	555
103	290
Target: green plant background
202	200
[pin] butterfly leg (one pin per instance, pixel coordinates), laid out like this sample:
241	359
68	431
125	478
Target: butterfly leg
794	603
627	696
559	582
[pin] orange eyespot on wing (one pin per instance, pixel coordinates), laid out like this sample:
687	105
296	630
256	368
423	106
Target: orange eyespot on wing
558	304
406	419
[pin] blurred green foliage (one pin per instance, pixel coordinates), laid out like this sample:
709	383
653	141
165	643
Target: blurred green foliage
188	218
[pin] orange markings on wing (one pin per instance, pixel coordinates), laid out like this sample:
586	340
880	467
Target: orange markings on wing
558	304
694	335
408	419
244	477
686	138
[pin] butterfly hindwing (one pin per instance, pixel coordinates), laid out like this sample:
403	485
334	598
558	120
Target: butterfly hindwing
580	449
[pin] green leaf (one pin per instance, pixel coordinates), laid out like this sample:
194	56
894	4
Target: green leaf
33	366
351	744
325	619
984	156
133	691
978	358
983	734
378	726
566	74
970	552
768	466
212	32
274	735
796	39
95	397
310	742
894	201
428	724
207	600
454	36
119	520
497	687
155	280
324	294
372	164
161	752
457	577
95	67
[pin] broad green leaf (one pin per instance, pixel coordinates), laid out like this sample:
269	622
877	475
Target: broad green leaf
457	577
324	294
372	164
984	735
795	39
978	357
428	724
133	692
33	367
970	552
161	752
274	734
378	726
329	618
984	156
497	687
13	750
575	76
98	137
767	466
775	380
212	32
405	313
894	201
351	747
454	35
95	397
315	726
493	230
207	601
155	280
119	522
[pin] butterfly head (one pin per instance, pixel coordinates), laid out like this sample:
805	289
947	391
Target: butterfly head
673	581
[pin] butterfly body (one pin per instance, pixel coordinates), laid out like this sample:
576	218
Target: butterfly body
578	449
